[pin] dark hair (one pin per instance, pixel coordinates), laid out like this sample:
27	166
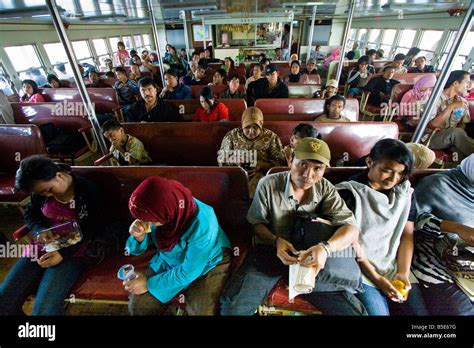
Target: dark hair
296	61
120	69
33	84
112	124
287	27
306	130
144	51
133	52
222	72
328	101
380	53
263	61
399	56
195	53
361	60
456	75
52	77
232	64
260	66
110	74
120	43
278	48
172	72
421	57
395	150
208	94
350	55
234	76
37	168
387	67
371	51
413	51
136	56
146	81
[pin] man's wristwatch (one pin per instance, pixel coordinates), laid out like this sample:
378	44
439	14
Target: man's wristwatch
326	247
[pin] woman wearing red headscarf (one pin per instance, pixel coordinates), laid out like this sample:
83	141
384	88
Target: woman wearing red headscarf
193	251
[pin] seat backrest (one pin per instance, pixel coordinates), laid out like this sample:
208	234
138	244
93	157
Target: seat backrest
404	78
72	94
197	143
69	116
314	79
238	71
304	106
225	189
399	90
18	142
303	91
188	107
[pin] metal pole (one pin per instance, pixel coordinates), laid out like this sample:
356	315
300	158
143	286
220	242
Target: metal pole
203	34
310	40
344	40
157	41
443	77
291	34
59	26
182	15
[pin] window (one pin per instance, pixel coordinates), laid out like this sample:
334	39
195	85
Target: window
373	38
57	55
429	42
127	40
83	53
101	50
351	39
406	41
147	41
138	41
113	43
26	62
464	51
6	84
387	41
362	38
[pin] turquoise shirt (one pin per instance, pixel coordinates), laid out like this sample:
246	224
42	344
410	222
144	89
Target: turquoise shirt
197	252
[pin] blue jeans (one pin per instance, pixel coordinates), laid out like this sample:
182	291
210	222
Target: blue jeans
53	285
377	303
354	92
446	299
250	285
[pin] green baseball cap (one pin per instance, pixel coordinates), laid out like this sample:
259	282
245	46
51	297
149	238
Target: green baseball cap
313	149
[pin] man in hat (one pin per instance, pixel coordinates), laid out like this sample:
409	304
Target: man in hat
311	68
279	199
271	87
330	89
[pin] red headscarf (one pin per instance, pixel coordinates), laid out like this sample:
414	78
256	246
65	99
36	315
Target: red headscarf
166	201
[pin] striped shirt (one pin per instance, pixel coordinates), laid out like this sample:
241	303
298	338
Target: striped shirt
426	264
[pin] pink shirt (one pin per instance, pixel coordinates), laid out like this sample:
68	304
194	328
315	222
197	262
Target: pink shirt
35	98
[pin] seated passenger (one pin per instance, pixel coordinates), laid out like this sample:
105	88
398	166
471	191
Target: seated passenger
278	55
358	77
126	149
333	110
380	87
96	81
132	54
52	274
174	89
303	130
372	54
296	75
329	90
122	57
422	67
451	115
53	82
379	54
293	57
199	75
411	54
398	64
228	64
193	253
62	73
311	68
270	87
253	147
416	98
127	89
351	55
317	54
280	198
444	205
30	92
218	78
150	108
233	91
210	109
381	199
135	73
257	74
190	74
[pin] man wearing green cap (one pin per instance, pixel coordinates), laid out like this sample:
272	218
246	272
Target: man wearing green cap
278	200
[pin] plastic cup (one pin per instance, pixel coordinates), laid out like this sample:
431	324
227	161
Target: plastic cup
126	273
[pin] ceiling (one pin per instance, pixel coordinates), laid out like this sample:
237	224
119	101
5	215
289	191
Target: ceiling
136	11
